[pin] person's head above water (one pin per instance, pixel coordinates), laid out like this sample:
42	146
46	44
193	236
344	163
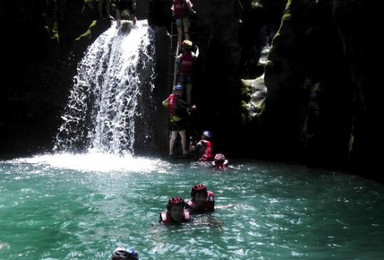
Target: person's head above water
175	208
219	160
125	253
199	193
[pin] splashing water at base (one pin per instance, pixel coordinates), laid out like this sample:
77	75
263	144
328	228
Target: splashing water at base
94	162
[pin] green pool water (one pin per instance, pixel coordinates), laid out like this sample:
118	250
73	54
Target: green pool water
83	206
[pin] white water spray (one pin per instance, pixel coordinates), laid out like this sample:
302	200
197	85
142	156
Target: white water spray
114	82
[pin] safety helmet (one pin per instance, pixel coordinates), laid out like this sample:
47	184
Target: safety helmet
198	188
219	159
187	44
208	134
178	87
175	201
125	253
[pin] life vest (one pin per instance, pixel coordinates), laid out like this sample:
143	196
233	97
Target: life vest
179	8
208	206
166	219
207	154
220	166
186	63
177	107
172	105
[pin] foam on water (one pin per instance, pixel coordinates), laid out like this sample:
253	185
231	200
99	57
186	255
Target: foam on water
94	162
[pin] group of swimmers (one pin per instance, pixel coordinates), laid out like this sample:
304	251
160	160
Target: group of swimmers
202	200
178	211
203	151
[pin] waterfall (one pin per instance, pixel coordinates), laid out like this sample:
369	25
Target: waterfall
110	104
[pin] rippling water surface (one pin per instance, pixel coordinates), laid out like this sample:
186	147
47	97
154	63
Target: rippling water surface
83	206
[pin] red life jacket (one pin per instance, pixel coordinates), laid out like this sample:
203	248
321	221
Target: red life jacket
220	166
207	155
208	206
179	8
166	219
172	105
186	63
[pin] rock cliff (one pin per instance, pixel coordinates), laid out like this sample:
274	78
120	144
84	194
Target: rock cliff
319	104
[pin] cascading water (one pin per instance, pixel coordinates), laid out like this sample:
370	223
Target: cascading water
111	93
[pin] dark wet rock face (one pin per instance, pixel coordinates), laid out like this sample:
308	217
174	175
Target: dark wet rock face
314	100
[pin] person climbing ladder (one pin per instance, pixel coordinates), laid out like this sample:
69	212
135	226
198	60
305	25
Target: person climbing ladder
178	109
181	9
185	62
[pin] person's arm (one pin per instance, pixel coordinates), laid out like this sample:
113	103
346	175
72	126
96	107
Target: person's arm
182	108
183	104
173	8
166	102
200	148
186	107
196	53
190	6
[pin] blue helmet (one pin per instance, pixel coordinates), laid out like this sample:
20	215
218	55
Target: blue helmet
208	134
178	87
125	253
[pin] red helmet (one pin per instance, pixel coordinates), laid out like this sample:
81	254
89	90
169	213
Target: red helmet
175	201
219	158
198	188
187	44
